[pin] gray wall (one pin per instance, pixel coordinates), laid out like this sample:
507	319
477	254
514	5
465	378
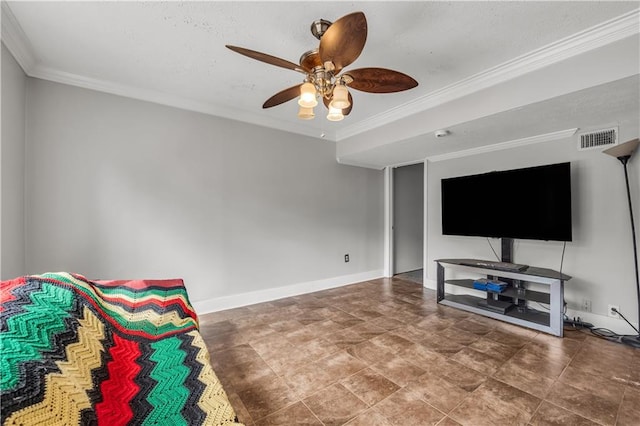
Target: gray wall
12	169
600	257
119	188
408	218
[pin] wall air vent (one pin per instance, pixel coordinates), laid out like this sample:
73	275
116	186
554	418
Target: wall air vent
598	139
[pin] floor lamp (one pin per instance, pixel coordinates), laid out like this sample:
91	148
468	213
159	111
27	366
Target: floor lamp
623	153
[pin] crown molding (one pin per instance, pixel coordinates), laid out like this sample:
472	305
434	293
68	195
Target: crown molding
16	40
546	137
167	99
600	35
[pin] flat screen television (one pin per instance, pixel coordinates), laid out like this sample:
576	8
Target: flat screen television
532	203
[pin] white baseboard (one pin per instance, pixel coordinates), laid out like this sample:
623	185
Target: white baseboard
430	284
243	299
616	325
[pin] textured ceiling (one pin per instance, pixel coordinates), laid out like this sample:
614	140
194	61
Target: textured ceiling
175	50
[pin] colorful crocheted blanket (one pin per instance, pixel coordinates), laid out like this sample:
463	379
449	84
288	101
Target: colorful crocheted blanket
109	353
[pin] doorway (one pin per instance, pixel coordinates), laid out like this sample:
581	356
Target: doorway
408	222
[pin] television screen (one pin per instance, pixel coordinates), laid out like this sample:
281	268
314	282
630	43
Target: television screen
532	203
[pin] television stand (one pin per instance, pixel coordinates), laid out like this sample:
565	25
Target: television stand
509	305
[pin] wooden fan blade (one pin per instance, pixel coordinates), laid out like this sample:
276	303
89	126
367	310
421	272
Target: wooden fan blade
380	80
282	96
263	57
345	111
343	42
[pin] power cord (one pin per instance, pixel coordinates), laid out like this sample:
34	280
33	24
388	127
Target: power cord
494	252
627	339
625	318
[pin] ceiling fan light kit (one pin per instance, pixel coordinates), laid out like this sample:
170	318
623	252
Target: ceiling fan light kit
341	43
307	95
305	113
335	114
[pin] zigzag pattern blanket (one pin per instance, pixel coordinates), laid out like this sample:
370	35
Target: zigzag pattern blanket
109	353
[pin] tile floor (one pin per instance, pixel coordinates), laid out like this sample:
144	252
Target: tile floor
384	353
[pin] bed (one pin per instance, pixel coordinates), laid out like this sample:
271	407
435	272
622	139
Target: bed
76	351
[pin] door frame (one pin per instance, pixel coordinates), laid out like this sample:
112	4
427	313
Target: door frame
388	256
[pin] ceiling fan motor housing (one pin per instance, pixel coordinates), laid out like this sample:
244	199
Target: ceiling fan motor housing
319	26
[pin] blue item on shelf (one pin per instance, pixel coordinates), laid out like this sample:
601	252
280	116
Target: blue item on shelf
496	286
480	284
489	285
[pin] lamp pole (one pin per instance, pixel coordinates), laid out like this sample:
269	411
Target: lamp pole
624	160
623	153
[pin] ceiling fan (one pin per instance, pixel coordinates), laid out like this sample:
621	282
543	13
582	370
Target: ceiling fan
341	42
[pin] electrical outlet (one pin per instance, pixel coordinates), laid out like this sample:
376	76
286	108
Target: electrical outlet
586	305
346	257
611	312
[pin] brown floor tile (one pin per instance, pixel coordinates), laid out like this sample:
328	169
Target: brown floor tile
335	405
593	397
470	325
234	356
296	414
479	361
422	356
308	380
605	359
370	353
412	332
441	344
225	341
369	386
493	348
370	418
507	338
386	323
570	346
629	414
496	403
211	329
437	391
552	415
366	314
448	421
600	386
286	325
367	330
436	321
402	408
241	411
532	360
267	396
228	314
345	338
457	335
392	342
459	375
246	375
301	335
340	365
525	333
524	379
398	370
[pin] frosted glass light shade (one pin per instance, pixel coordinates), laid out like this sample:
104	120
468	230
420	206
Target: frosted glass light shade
307	95
340	97
305	113
335	114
